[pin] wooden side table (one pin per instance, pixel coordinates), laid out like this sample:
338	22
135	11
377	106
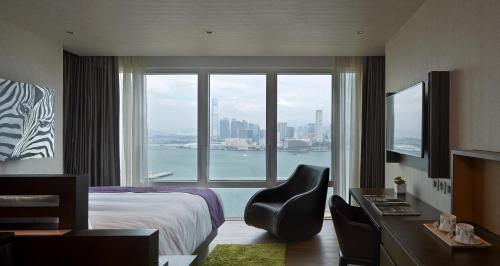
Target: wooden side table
6	240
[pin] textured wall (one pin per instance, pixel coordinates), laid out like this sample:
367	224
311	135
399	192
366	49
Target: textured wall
462	36
27	57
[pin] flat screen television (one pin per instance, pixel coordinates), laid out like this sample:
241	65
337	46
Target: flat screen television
404	121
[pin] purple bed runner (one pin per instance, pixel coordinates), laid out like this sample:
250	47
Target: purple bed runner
213	203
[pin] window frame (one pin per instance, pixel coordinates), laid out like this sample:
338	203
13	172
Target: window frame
197	119
248	72
203	123
332	124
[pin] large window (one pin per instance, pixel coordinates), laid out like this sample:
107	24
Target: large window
237	127
172	127
235	152
304	122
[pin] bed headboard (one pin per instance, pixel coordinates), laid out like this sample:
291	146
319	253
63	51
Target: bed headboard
70	207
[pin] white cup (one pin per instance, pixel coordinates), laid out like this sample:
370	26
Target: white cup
464	233
447	222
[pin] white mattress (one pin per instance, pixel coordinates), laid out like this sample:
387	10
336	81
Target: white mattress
183	219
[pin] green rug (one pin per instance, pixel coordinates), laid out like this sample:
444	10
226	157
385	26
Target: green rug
247	255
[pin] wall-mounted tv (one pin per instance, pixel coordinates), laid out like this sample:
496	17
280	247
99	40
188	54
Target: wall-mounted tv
404	121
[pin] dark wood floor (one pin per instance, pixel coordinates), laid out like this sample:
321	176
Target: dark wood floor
319	250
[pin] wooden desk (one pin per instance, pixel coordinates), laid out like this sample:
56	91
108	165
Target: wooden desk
426	211
405	241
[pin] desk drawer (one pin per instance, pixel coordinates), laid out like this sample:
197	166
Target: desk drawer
394	250
385	259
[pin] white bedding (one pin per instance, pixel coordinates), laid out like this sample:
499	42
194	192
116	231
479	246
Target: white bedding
183	219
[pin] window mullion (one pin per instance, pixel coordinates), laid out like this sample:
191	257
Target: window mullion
203	128
271	127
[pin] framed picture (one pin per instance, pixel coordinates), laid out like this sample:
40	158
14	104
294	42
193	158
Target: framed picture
27	121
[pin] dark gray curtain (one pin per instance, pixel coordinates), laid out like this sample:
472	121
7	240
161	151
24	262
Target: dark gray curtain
373	124
91	118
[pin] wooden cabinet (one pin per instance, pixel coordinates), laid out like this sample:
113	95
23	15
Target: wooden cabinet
439	124
393	249
6	240
385	259
88	247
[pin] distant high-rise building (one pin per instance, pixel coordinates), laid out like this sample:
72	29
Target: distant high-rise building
262	139
318	126
255	132
310	131
244	125
245	134
224	128
290	132
235	128
215	119
301	132
282	130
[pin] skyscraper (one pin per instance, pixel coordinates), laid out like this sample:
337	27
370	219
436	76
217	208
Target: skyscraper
311	131
290	132
224	129
244	125
215	119
255	132
318	126
235	128
282	130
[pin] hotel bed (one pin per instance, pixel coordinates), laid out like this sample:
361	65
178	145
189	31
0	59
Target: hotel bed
185	217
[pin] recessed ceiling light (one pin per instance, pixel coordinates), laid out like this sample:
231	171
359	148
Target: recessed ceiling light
209	32
360	32
70	32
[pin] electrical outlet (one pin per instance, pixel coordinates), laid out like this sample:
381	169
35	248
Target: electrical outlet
441	186
448	188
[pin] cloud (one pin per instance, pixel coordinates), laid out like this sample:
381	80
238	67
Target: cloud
172	99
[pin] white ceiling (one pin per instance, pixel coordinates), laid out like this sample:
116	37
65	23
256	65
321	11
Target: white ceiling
242	27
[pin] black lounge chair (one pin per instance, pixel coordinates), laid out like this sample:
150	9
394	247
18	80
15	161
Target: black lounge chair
293	210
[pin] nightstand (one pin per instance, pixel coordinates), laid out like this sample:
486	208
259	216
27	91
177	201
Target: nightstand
6	240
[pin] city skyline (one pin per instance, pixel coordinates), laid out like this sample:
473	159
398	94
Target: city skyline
227	127
235	134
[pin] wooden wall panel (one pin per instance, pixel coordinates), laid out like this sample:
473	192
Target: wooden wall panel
476	185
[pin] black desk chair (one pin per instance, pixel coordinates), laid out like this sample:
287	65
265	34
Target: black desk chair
358	238
293	210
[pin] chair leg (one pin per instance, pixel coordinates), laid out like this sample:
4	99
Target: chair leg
342	262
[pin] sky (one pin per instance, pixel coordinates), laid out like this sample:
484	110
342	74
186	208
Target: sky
172	100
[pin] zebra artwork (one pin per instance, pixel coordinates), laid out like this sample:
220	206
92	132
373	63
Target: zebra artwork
26	121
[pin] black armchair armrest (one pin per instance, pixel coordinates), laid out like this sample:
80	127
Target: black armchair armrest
269	194
301	204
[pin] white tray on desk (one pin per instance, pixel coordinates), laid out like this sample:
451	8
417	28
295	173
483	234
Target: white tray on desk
452	243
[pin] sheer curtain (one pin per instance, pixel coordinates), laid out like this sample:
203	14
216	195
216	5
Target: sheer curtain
348	77
133	122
